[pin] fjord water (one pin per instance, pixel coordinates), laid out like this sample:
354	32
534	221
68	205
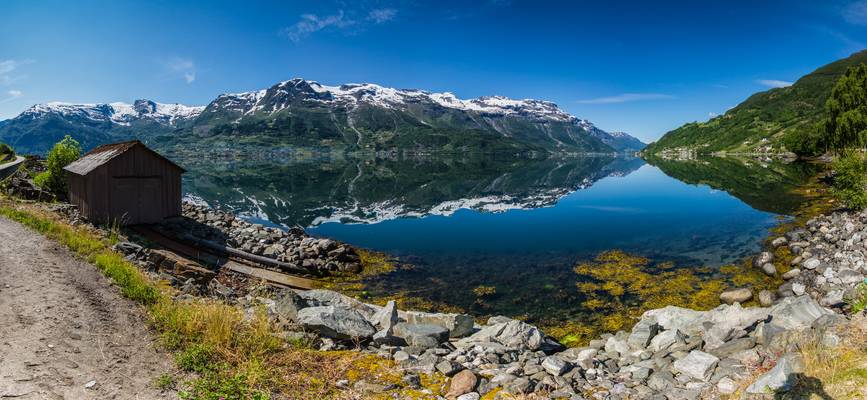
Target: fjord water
518	225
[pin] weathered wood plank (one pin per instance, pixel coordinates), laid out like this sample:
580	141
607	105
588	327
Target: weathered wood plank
270	276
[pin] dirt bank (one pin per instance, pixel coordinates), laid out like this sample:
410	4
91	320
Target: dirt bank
63	326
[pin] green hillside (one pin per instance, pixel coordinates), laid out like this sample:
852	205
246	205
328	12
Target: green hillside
759	123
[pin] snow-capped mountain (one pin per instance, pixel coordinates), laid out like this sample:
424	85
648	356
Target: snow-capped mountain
305	113
119	113
278	98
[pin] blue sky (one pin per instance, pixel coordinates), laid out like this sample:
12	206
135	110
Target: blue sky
640	67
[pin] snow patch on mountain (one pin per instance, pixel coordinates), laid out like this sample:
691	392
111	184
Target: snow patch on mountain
354	93
118	113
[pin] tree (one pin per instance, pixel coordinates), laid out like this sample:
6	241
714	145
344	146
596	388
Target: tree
62	154
806	142
846	112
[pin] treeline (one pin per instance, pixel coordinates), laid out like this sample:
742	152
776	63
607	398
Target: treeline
842	132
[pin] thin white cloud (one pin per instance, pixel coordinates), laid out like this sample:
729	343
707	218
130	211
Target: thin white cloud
712	114
627	98
353	20
8	68
312	23
774	83
11	95
856	13
381	15
181	67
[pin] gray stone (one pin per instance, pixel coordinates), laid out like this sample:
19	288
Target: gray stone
400	356
449	368
811	263
766	298
740	295
287	304
660	380
792	273
762	259
386	317
797	312
732	346
422	335
769	269
780	241
584	359
617	345
323	297
458	325
798	288
781	378
849	277
665	339
384	337
512	334
469	396
555	366
697	365
750	357
642	332
335	322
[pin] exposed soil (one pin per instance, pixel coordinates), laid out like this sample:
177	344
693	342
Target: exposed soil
64	326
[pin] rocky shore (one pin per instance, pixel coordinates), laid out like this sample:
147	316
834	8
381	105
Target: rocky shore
293	246
670	353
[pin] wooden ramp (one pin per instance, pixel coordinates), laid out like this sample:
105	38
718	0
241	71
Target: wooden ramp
272	277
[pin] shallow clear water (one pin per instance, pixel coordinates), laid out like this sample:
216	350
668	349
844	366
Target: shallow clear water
519	225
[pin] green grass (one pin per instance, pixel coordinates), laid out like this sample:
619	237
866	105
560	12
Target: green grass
859	299
767	115
231	356
165	382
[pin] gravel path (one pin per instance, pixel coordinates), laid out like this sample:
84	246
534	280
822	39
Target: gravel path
63	326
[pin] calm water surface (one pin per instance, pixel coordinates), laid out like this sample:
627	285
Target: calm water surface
517	225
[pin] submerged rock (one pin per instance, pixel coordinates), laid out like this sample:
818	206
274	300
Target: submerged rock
736	295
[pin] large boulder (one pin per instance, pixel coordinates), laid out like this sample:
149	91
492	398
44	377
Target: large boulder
287	303
513	334
458	325
797	312
421	335
336	322
322	297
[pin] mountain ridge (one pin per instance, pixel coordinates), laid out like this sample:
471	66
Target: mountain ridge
299	112
760	123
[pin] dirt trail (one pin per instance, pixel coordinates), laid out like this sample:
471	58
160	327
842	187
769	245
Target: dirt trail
63	325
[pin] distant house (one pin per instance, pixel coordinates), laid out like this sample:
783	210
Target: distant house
125	183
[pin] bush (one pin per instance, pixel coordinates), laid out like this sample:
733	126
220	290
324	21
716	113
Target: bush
850	178
62	154
805	142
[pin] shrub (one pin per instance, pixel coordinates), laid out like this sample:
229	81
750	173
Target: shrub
62	154
850	179
805	142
